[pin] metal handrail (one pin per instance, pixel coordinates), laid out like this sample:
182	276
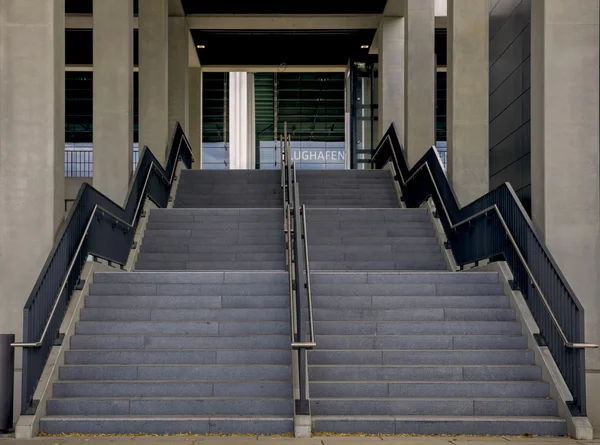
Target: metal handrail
153	167
495	208
312	343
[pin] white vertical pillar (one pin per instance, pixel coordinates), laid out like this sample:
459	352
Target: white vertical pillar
113	97
178	73
32	144
251	122
468	99
419	78
564	155
242	150
391	75
153	76
195	114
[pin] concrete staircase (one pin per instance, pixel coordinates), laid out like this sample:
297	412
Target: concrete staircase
372	239
213	239
229	189
171	352
424	353
347	188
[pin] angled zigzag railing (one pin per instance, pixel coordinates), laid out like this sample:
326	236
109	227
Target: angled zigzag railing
496	225
96	226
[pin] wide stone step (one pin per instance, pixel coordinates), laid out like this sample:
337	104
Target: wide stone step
202	233
193	278
348	342
179	342
164	246
197	315
215	225
408	289
318	235
176	372
366	240
367	215
442	424
392	388
487	314
182	327
171	424
190	388
422	357
417	328
184	357
171	406
425	372
434	406
186	302
334	250
198	245
275	202
405	278
406	265
392	302
210	265
209	257
166	289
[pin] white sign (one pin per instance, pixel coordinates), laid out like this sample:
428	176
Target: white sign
318	155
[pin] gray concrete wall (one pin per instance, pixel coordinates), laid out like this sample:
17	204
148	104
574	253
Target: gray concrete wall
32	132
509	89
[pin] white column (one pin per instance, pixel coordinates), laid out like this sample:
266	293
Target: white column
391	75
241	121
468	99
178	73
153	76
32	144
113	97
564	155
419	78
195	113
251	122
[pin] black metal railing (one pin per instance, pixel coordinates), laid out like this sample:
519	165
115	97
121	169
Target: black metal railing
301	319
95	226
497	226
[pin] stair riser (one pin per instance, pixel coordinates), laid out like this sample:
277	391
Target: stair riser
417	328
190	372
247	278
320	301
379	265
445	389
162	247
404	278
210	265
173	389
423	373
437	407
412	290
209	257
194	357
422	426
184	342
194	425
185	302
444	357
198	315
170	407
420	342
182	328
255	289
321	314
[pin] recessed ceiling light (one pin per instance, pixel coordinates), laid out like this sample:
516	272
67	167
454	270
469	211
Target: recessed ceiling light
364	46
200	46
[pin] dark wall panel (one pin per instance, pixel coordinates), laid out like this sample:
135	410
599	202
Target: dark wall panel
510	102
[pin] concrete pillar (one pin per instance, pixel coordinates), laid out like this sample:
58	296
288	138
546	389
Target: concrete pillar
32	144
564	155
242	149
178	73
391	74
153	76
195	113
419	77
468	98
113	97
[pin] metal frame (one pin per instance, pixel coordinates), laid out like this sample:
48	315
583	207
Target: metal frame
95	226
497	225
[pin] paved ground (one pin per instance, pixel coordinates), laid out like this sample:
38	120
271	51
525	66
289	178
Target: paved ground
276	440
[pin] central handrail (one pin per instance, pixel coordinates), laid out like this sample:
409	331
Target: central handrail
493	226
